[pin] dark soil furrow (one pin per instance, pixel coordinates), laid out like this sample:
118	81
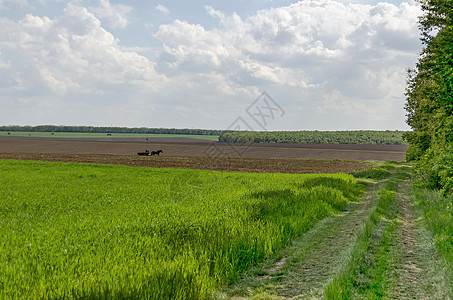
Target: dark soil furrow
177	147
254	165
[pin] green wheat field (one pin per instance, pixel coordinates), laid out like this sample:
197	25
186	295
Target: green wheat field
93	231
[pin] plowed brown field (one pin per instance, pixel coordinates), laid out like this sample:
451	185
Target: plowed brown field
189	153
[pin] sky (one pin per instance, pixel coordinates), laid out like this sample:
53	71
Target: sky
237	64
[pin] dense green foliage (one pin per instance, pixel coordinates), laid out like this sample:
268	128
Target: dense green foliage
93	129
98	231
315	137
429	102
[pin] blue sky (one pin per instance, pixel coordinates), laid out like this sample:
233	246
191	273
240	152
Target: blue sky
328	64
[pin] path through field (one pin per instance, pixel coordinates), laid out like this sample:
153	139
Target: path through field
377	248
419	272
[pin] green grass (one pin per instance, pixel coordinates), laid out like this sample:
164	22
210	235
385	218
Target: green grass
377	173
393	238
105	135
437	211
368	272
97	231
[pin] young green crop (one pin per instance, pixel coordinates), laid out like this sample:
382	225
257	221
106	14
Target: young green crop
98	231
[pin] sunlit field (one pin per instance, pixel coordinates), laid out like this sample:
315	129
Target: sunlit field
73	230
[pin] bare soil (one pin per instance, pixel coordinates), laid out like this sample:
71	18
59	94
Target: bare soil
184	147
255	165
200	154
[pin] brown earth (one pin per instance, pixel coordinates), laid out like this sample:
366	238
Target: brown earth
189	147
255	165
190	153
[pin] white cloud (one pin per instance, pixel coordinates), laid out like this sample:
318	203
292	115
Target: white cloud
325	62
72	54
116	14
190	47
70	70
356	52
162	9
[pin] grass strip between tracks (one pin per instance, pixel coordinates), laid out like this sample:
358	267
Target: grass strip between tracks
379	247
367	271
308	264
394	255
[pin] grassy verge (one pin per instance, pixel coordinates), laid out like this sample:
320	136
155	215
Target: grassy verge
379	172
378	248
437	211
301	269
100	231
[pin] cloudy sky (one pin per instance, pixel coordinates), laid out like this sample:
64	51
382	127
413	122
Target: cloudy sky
327	64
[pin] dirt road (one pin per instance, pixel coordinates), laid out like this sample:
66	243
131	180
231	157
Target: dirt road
377	248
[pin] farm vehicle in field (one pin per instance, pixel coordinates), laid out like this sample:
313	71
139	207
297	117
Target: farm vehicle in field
147	153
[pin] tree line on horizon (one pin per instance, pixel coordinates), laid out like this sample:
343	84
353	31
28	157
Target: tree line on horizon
105	129
429	99
387	137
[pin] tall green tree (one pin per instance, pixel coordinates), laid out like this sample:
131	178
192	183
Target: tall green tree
429	97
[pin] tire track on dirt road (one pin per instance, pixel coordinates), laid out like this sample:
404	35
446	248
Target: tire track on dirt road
420	270
305	267
395	256
378	248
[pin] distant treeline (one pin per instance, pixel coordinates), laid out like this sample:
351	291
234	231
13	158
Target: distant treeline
294	137
316	137
93	129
